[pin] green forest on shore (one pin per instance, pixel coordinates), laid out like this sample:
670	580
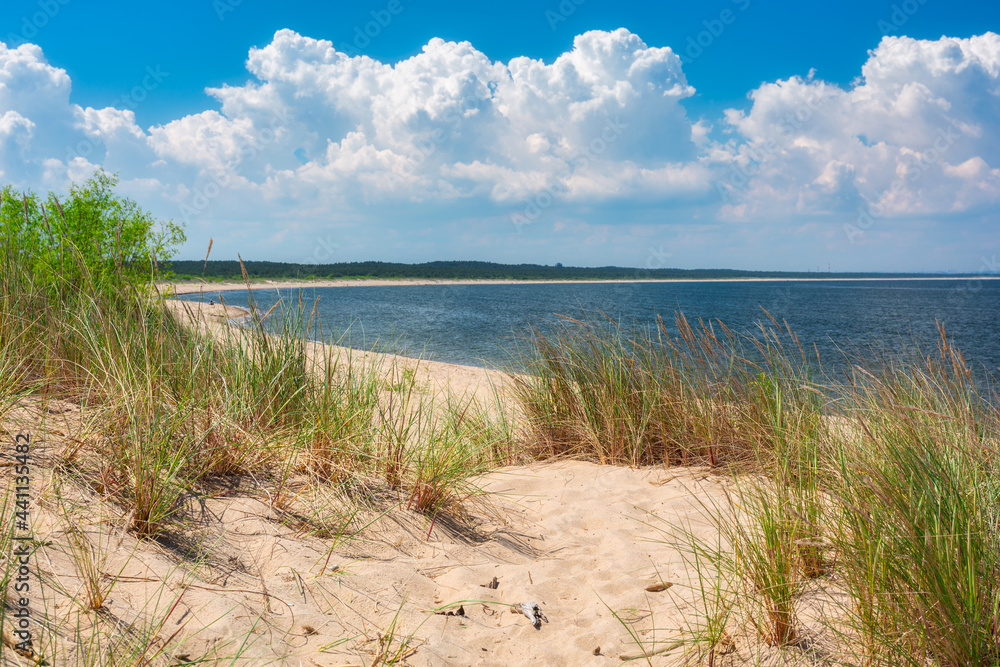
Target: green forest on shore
469	270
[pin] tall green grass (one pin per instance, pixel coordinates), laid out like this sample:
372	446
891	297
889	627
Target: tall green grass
918	499
180	404
880	482
597	390
170	410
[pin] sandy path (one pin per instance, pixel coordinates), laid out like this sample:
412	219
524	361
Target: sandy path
572	537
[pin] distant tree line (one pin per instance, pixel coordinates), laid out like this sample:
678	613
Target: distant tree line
458	270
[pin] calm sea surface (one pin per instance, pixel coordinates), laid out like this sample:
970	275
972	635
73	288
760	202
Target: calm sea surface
481	324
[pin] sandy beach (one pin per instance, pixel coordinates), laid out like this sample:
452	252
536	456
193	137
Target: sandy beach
431	377
210	288
574	538
584	542
560	562
409	334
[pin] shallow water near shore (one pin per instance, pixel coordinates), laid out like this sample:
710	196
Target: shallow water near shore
481	325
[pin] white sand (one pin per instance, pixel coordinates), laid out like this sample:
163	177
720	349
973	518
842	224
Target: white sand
581	540
573	537
210	288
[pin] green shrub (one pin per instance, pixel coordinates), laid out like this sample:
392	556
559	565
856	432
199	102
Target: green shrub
91	231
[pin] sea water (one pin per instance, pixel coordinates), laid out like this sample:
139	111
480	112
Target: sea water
484	325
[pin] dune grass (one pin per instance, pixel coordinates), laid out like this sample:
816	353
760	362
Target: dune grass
917	501
878	480
170	410
596	390
880	483
179	405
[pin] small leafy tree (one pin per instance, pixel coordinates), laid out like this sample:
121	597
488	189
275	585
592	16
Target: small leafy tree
93	229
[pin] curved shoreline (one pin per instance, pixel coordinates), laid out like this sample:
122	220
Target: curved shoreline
438	377
179	289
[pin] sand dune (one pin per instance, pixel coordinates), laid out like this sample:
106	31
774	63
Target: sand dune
582	541
572	537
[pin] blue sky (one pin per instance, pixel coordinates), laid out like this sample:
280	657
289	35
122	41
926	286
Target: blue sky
736	133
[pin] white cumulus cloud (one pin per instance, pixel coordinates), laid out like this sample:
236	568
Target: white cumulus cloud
917	134
318	140
448	122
